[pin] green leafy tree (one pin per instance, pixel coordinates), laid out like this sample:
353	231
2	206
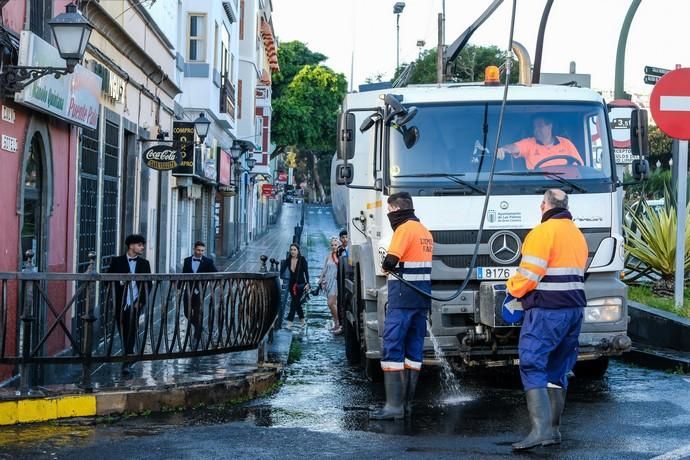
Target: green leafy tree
468	66
292	56
305	112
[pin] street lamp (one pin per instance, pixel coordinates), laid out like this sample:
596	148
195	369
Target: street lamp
71	31
397	9
201	126
251	162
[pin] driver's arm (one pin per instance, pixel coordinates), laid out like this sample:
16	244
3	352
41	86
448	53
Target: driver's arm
513	149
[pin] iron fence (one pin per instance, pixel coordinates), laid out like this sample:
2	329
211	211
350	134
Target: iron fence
130	317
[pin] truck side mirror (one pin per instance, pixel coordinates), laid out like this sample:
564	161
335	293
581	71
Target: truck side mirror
640	169
344	174
346	136
639	139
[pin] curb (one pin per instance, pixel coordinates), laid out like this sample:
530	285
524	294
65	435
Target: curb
42	409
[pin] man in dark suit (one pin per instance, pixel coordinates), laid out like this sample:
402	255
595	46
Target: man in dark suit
130	298
197	263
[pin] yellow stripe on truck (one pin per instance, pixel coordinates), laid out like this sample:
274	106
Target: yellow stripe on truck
375	204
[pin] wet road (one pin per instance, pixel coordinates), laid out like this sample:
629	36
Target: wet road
320	411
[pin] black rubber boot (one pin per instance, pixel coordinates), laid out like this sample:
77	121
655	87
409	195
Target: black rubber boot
412	378
395	384
539	408
557	400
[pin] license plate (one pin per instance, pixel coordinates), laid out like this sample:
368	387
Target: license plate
495	273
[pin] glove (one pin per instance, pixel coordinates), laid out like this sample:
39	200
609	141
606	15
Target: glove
512	312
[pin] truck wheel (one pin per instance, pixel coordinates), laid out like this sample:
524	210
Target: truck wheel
372	370
351	343
593	369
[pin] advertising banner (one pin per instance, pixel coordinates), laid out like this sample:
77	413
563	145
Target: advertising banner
183	137
73	97
161	157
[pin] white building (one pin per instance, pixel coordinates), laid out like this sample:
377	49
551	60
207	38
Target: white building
258	59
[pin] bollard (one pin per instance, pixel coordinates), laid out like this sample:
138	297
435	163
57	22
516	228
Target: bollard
275	264
28	319
263	260
87	328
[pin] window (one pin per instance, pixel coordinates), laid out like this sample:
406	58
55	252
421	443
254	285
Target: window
40	12
259	133
197	38
216	39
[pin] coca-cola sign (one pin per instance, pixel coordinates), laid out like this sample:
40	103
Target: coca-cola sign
161	157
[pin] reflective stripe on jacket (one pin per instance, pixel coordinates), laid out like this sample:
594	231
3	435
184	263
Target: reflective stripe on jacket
413	245
552	269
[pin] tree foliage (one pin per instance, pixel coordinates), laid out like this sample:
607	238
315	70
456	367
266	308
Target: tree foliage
469	66
292	56
659	143
306	99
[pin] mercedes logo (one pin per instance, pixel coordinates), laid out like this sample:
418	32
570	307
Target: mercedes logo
504	247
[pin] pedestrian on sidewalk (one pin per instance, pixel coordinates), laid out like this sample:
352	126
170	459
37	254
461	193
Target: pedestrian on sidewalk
196	263
550	285
404	327
328	281
298	283
344	239
130	298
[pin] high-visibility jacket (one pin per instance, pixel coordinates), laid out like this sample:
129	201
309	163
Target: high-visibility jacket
533	152
552	269
413	244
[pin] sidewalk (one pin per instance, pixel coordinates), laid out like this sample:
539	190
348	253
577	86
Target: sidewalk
155	385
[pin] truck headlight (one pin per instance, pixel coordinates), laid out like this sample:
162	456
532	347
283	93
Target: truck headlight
603	310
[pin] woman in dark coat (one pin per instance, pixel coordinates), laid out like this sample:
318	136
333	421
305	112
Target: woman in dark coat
298	270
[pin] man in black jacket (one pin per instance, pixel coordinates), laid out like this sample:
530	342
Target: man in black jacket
130	298
197	263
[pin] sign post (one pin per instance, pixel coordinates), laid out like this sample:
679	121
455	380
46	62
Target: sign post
670	106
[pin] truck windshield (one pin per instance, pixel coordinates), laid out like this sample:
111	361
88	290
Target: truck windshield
543	145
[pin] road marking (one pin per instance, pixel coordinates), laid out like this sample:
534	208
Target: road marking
678	454
675	103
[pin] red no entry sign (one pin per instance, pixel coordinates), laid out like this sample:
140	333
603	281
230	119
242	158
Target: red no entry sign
670	103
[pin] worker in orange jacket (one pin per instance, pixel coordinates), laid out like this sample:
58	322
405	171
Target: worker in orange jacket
550	286
409	255
544	149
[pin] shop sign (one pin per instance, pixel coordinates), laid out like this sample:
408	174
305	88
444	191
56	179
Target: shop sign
267	190
282	176
161	157
208	162
224	166
227	190
183	138
113	86
73	97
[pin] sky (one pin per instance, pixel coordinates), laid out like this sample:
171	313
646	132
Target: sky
584	31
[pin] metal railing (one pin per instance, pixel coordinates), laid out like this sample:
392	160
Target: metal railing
91	317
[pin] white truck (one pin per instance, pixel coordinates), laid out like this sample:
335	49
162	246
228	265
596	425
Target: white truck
437	143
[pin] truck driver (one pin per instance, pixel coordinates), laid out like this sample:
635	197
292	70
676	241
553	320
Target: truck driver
544	149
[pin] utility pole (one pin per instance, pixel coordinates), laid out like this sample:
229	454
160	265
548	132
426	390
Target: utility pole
397	9
439	51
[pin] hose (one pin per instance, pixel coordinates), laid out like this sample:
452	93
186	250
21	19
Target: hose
489	185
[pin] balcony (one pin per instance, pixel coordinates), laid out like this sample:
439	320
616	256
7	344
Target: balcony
227	98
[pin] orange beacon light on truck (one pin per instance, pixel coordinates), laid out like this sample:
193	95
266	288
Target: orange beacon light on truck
492	76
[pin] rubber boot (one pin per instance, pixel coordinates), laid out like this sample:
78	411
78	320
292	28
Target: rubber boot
412	377
539	408
557	400
395	383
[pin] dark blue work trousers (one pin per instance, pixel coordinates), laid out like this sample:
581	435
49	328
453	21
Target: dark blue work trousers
403	337
548	346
